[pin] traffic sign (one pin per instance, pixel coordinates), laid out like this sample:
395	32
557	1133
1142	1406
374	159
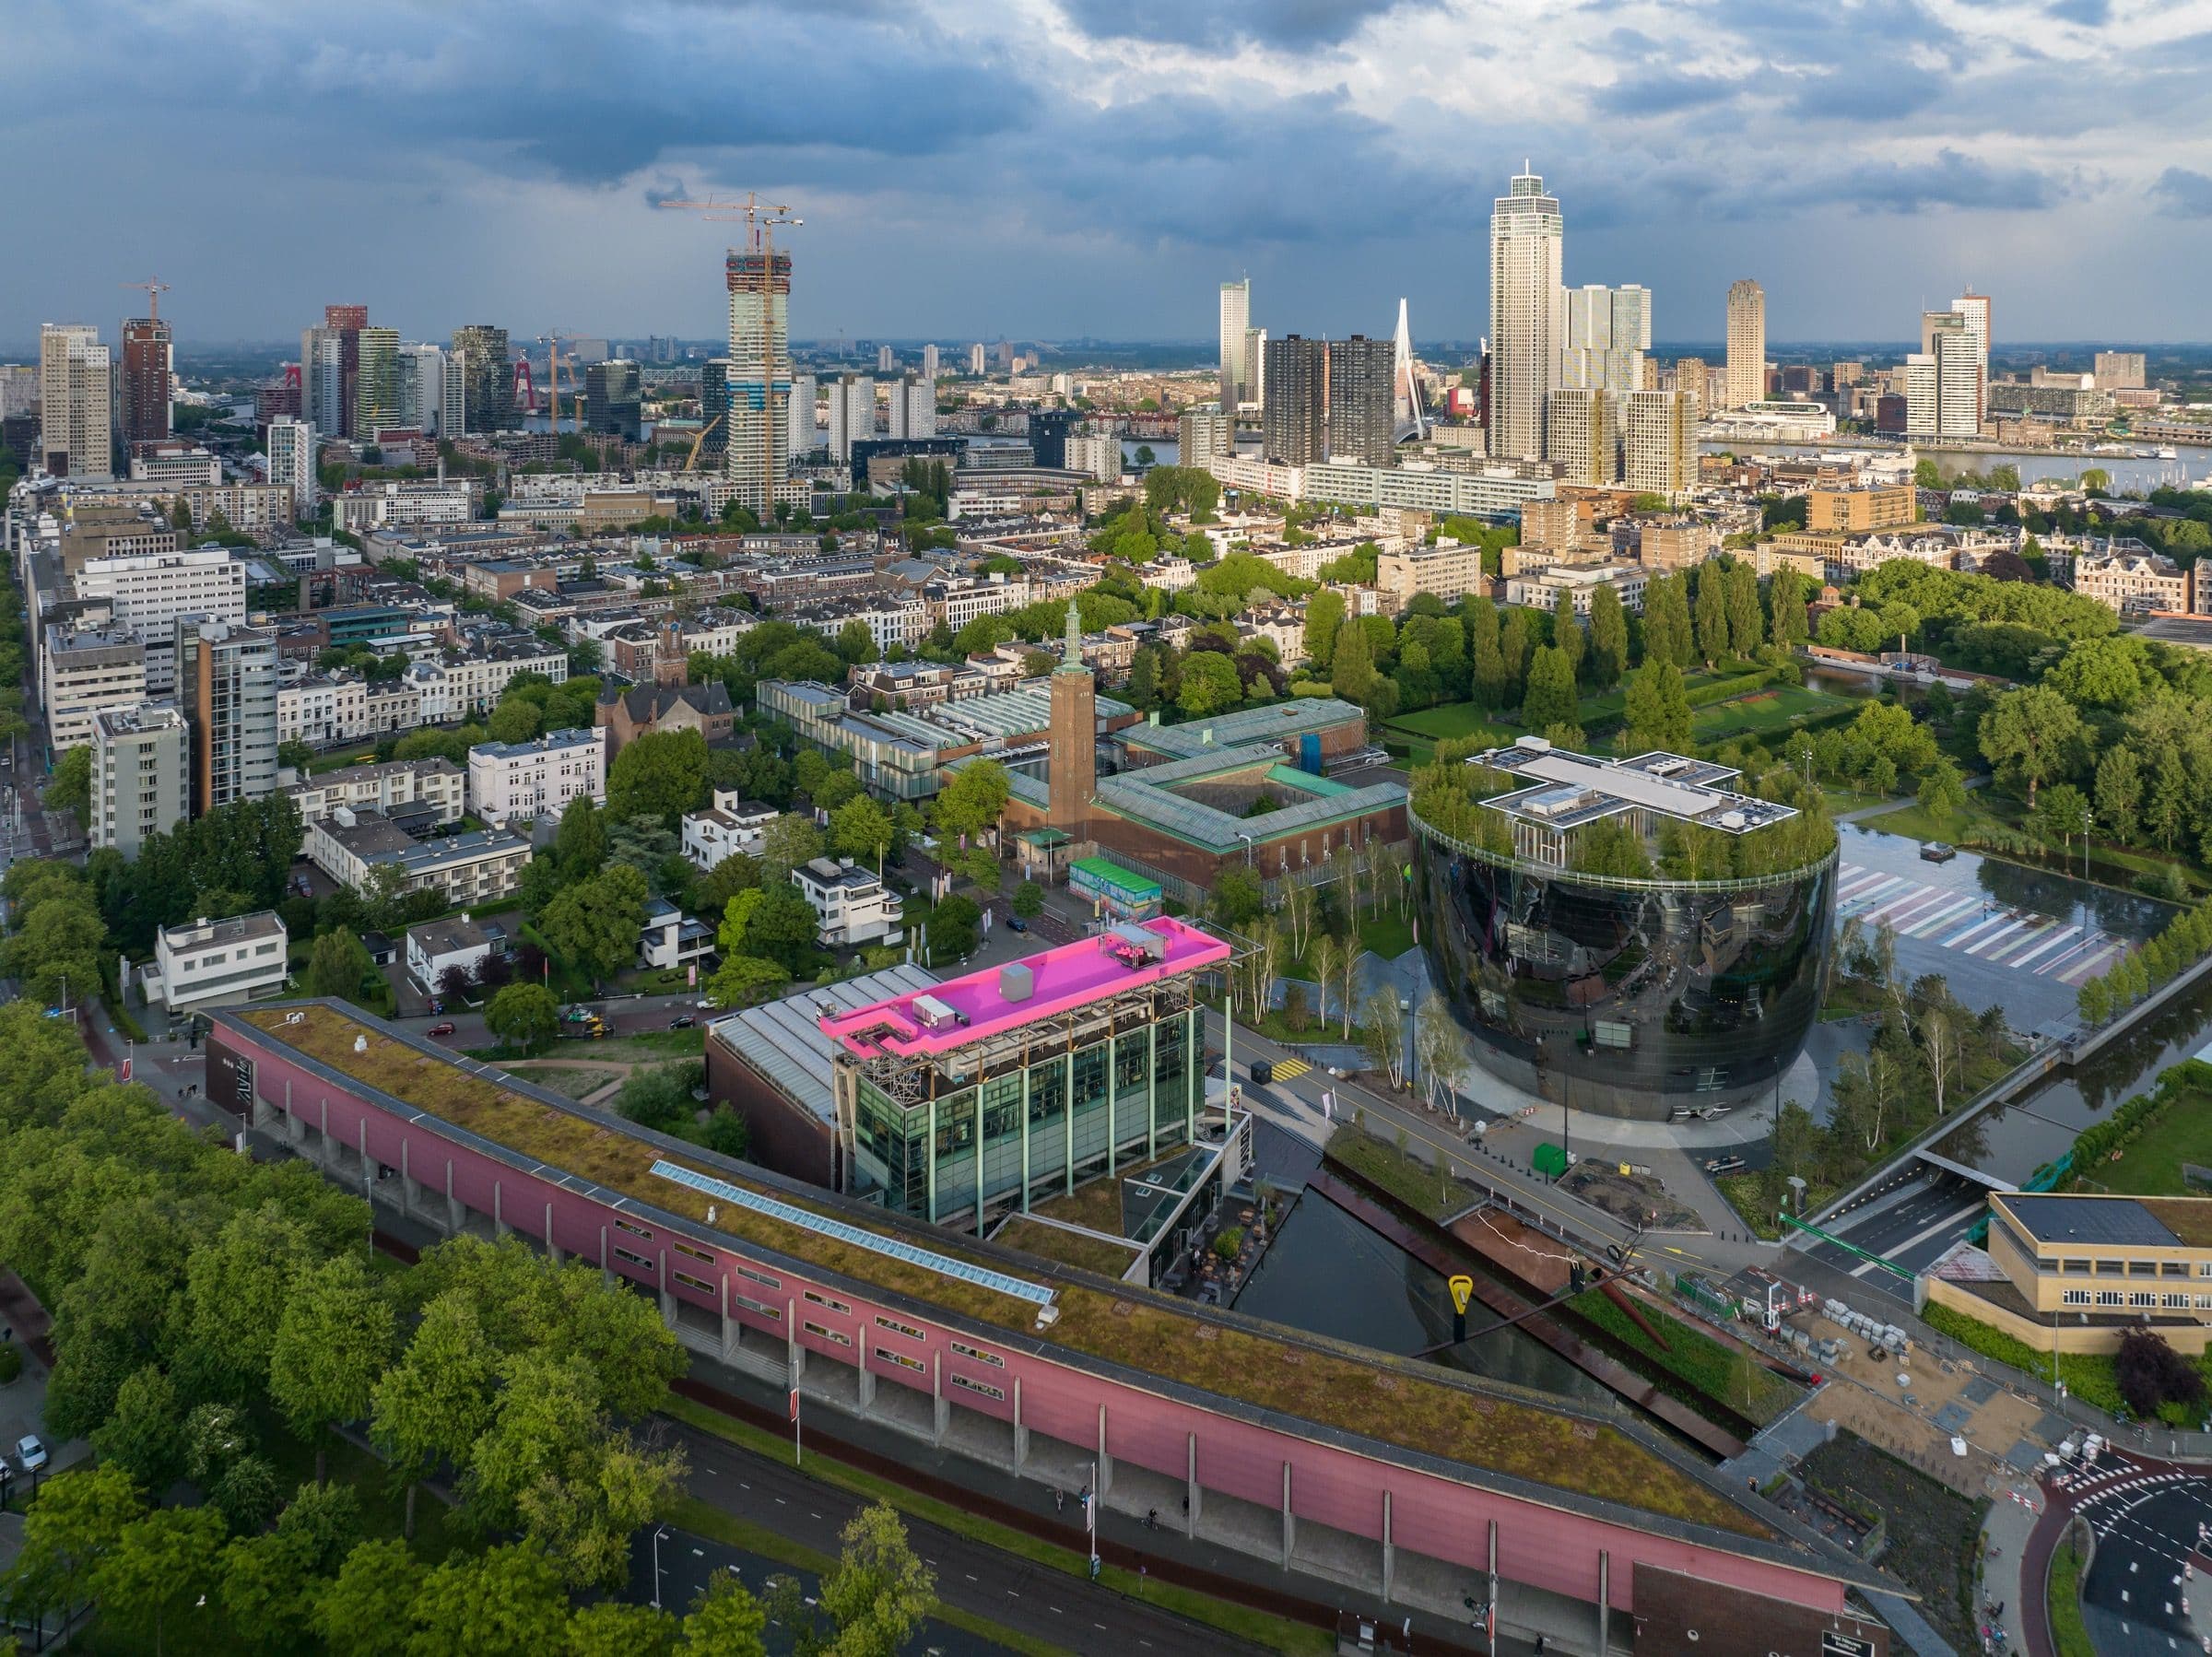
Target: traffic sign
1463	1287
1833	1644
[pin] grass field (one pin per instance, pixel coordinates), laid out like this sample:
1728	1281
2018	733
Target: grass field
2067	1629
1388	936
1970	821
1784	707
2151	1163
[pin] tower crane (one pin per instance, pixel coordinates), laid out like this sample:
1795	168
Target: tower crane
761	220
699	438
155	287
552	344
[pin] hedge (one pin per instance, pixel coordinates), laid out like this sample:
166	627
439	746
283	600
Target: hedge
2091	1377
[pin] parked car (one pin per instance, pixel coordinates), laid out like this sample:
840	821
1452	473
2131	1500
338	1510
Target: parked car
709	1004
446	1028
1016	923
31	1453
683	1021
579	1014
1725	1165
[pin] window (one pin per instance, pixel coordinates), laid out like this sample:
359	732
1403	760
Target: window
775	1314
978	1355
835	1306
623	1253
684	1248
2142	1297
2110	1297
984	1387
622	1224
2076	1296
761	1278
828	1335
700	1284
2177	1302
896	1327
903	1360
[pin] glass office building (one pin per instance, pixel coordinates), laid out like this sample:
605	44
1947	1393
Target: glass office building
1632	995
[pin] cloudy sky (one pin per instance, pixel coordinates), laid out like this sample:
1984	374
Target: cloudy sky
1059	168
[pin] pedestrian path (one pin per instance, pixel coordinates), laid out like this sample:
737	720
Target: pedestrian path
1975	924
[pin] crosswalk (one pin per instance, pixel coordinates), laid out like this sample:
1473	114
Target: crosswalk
1973	924
1290	1069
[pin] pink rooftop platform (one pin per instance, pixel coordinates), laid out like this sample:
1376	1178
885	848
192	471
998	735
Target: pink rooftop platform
927	1022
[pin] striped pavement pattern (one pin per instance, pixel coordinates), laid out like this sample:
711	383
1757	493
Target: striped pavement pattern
1290	1069
1972	923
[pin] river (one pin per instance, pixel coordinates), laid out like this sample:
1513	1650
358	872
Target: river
1329	1275
2130	475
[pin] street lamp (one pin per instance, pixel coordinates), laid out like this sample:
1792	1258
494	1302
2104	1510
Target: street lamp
659	1532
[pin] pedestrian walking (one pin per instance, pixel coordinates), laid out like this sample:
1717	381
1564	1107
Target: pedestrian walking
1059	1498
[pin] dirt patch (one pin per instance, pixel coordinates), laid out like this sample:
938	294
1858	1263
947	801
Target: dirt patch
1933	1531
1632	1199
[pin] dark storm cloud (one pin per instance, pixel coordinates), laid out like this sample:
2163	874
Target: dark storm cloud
2182	193
1291	24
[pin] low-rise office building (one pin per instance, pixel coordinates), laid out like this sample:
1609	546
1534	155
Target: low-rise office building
520	781
416	794
87	670
478	867
217	963
1579	582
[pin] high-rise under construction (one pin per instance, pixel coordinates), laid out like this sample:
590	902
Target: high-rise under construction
759	376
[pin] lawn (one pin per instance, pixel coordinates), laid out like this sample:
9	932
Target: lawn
1070	1248
1389	935
1987	813
1413	1182
2066	1626
1785	708
570	1081
1971	822
2149	1165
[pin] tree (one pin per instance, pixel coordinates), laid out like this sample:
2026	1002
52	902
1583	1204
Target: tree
70	787
857	642
296	754
724	1621
77	1520
337	965
1552	698
972	800
515	720
437	1399
661	774
145	1437
1210	683
579	843
613	1629
1386	1033
952	928
881	1591
786	843
2029	733
595	923
1238	898
1785	603
1352	665
1608	637
332	1343
861	829
523	1015
1324	615
2118	792
2152	1373
507	1603
1740	590
236	1289
366	1610
1655	713
1713	614
1028	900
157	1567
1941	791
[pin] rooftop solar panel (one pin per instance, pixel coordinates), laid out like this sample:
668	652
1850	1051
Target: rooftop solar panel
822	1225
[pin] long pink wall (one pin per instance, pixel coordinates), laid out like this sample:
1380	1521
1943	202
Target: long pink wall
1543	1546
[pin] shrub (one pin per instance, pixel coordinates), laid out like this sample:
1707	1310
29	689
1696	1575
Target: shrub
11	1363
2152	1373
1230	1242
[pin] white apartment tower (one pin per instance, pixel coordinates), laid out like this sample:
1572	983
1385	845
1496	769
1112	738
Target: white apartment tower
1944	378
422	388
1608	330
1526	321
976	359
851	414
292	462
801	439
1975	307
76	430
1236	319
932	365
913	405
1746	380
149	591
140	765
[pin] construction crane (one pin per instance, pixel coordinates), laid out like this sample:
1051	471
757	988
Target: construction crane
698	438
552	344
155	287
761	220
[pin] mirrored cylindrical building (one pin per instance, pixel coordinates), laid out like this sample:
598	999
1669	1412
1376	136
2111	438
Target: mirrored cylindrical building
1590	972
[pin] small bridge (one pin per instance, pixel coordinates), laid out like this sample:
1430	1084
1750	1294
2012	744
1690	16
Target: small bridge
1972	1175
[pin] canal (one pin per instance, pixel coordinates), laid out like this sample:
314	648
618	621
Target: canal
1330	1275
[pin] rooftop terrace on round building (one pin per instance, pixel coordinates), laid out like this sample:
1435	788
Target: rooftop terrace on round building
1381	1398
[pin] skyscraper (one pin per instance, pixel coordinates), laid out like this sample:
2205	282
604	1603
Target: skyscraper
76	413
1608	330
1658	442
913	407
802	437
1526	237
1360	426
1747	345
887	360
422	387
931	364
1942	380
138	775
1975	307
759	424
147	361
1236	317
612	403
1255	370
379	391
226	689
1580	436
975	359
1694	381
486	376
330	365
851	414
292	462
1294	421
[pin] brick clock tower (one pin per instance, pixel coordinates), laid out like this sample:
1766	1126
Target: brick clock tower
1072	745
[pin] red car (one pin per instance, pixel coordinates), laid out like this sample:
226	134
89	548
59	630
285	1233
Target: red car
442	1029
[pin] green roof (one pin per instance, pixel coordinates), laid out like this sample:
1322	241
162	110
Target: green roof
1112	876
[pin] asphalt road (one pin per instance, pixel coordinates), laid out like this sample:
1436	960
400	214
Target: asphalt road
1030	1599
1912	1223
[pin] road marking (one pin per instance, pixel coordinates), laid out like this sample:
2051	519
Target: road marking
780	1501
1995	937
699	1553
2046	946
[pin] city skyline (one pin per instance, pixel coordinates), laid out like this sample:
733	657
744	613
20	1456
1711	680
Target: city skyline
1864	163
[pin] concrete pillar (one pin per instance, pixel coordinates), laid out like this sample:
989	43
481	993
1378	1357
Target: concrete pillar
794	1355
553	1251
294	1129
1191	1490
499	1210
606	1271
1021	1433
942	1412
733	1332
1290	1523
867	1384
1105	1460
1605	1567
407	1193
456	1210
1387	1560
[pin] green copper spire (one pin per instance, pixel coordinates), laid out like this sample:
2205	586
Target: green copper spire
1074	636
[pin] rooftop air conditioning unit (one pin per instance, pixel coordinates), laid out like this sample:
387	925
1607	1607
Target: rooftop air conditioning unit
1015	982
1535	744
